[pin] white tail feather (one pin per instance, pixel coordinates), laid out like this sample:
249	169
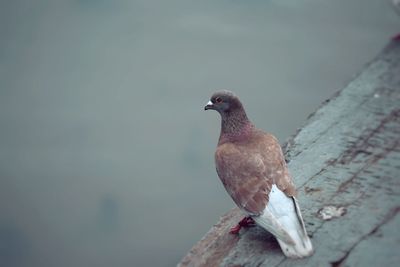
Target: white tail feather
282	218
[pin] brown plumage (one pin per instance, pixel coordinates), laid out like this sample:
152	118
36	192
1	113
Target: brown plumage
250	164
259	159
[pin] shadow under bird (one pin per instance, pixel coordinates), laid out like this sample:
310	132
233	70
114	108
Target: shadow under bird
251	166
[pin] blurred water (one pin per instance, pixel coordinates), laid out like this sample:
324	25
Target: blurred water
106	154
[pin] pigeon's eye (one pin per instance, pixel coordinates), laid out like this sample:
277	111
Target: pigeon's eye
218	100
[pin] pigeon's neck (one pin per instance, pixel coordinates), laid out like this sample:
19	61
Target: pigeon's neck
235	126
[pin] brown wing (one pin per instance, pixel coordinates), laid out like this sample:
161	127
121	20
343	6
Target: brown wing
280	173
248	170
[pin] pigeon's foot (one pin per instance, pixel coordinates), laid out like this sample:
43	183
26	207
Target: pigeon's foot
245	222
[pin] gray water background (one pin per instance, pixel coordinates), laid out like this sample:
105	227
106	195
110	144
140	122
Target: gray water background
106	154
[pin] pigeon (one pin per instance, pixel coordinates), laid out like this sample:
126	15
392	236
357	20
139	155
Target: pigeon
252	168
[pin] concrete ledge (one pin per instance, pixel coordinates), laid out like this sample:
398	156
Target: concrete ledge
346	165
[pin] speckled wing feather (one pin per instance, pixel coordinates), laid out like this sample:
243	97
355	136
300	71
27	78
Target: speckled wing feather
250	167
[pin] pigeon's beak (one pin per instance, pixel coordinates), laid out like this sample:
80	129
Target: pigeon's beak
209	105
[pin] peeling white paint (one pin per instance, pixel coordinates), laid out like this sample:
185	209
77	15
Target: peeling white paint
330	212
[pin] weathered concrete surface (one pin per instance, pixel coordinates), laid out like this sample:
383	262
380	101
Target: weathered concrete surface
346	160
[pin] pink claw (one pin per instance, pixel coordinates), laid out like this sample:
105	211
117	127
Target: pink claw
245	222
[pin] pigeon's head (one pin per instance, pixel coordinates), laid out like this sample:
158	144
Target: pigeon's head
223	101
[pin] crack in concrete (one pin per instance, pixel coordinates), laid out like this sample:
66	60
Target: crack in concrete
388	217
370	162
362	147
